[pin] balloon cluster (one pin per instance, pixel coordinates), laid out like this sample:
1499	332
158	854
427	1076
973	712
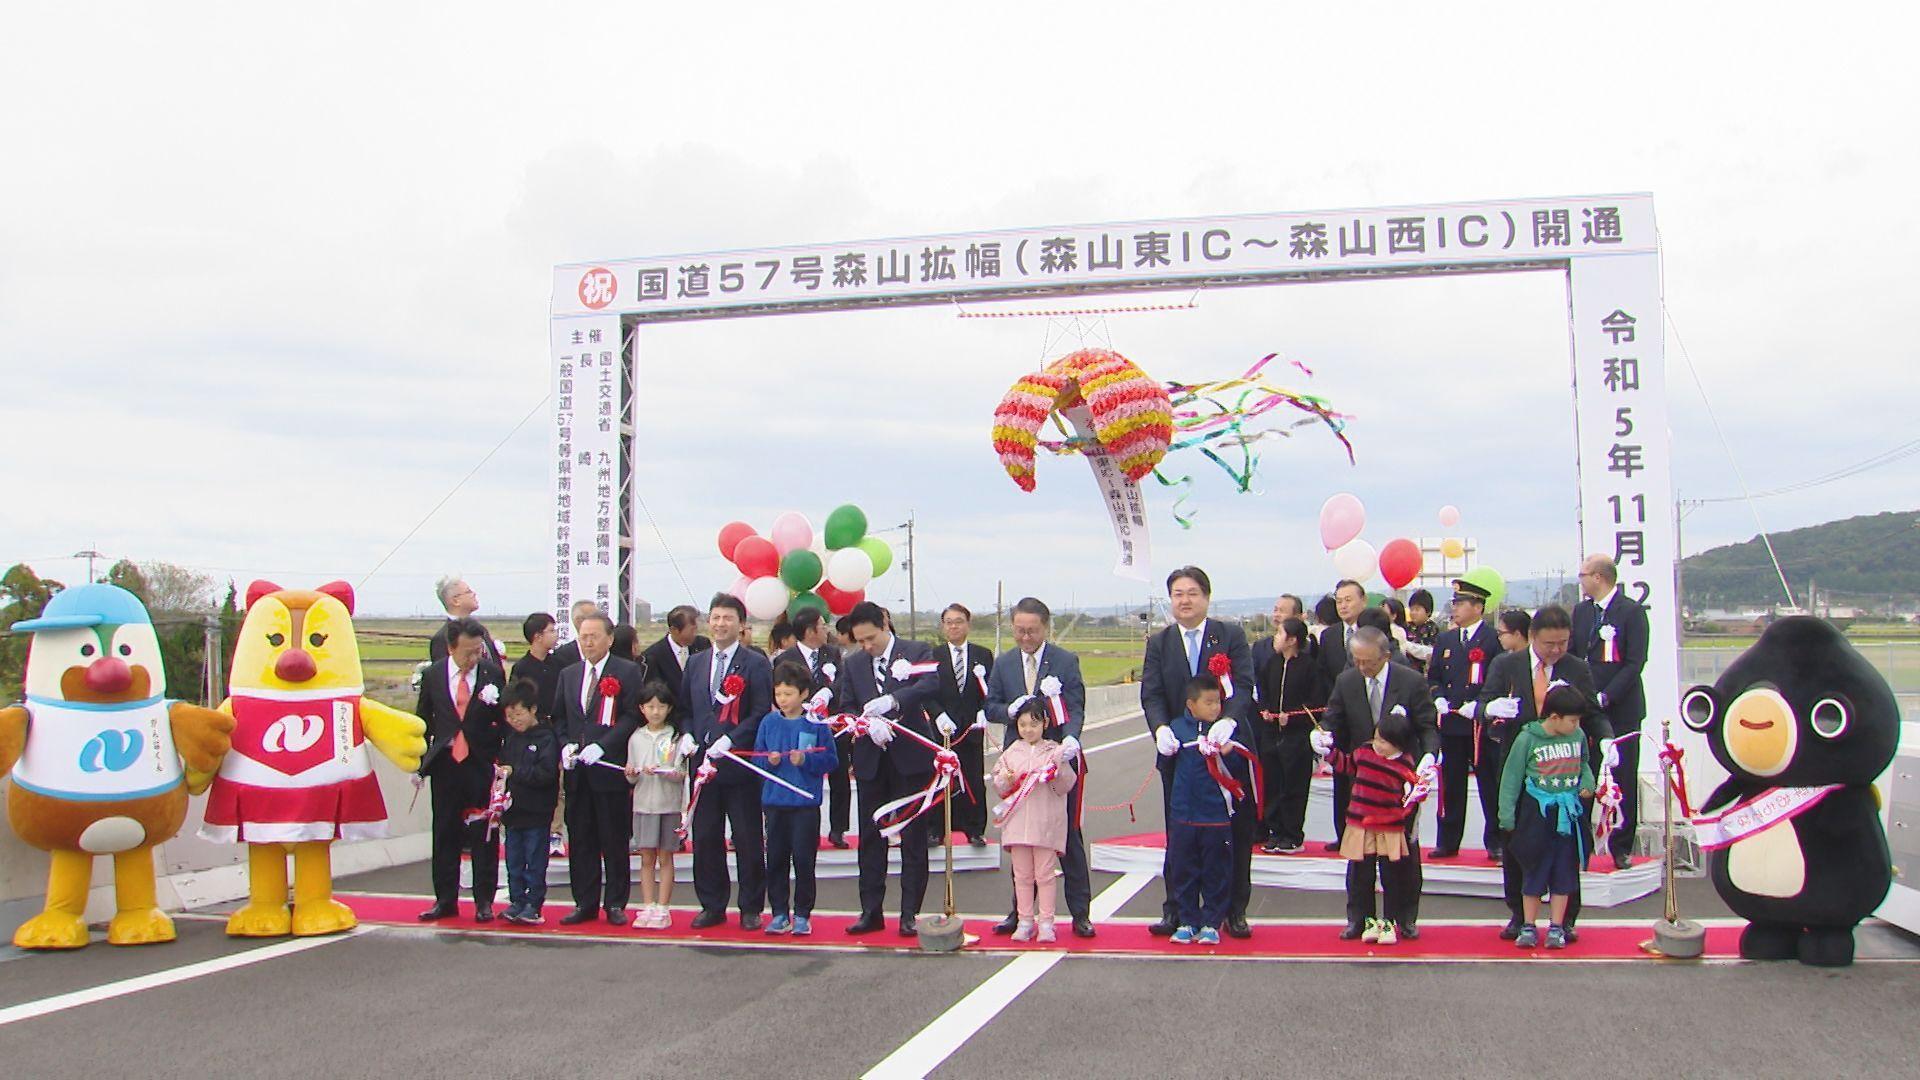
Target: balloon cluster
794	567
1398	562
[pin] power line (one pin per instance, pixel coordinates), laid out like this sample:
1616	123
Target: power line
1887	457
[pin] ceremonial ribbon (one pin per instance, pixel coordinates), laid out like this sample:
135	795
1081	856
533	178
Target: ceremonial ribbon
498	802
1230	789
729	700
1050	688
980	678
701	775
904	669
946	771
764	774
1220	665
1608	795
1750	817
1028	780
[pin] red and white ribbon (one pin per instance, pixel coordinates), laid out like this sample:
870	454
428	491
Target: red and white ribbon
1220	665
701	775
1608	796
1753	816
980	678
499	800
1230	788
898	814
904	669
1027	781
1050	688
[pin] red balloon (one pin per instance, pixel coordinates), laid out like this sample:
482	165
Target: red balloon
730	536
757	557
1399	563
838	601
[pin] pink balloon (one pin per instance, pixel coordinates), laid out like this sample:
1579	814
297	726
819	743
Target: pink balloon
756	557
739	588
1399	563
1341	519
1449	516
791	530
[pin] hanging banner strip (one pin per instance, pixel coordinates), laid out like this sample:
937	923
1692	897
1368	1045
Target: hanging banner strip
1121	496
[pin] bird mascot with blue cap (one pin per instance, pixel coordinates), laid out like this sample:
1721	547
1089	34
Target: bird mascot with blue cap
101	762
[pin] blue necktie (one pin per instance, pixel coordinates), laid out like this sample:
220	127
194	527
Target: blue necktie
1193	651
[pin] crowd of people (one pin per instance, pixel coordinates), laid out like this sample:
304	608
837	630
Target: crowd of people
745	752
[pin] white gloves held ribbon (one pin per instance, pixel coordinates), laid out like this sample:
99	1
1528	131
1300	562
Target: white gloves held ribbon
687	746
1506	708
945	725
1321	740
879	706
1165	742
569	755
591	753
879	730
1070	748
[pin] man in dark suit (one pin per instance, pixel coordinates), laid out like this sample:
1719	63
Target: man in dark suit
459	601
568	654
962	700
593	729
1023	670
1350	599
460	701
1516	685
667	658
894	681
1373	687
1456	670
813	651
1175	654
723	718
1610	633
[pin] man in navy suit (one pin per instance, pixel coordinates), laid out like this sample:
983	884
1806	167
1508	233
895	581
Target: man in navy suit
1457	669
963	701
1610	633
721	718
593	735
1176	654
892	681
460	701
1023	670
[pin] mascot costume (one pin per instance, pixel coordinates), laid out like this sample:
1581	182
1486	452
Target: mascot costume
102	762
300	777
1805	725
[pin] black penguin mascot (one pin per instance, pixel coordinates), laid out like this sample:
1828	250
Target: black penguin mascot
1805	724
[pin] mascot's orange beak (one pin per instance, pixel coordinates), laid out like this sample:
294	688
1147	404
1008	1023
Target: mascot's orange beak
295	666
108	676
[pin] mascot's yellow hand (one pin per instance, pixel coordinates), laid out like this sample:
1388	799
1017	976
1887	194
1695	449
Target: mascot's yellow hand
13	736
402	737
202	737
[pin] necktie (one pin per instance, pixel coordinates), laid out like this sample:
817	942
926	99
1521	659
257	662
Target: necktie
1032	665
1193	652
462	696
1373	697
719	670
960	667
588	685
814	663
1539	688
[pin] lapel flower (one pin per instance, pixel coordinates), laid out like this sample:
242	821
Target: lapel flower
732	685
609	687
1220	665
490	694
1476	655
1607	630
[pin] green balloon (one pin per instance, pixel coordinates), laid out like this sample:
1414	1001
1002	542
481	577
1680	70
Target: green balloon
845	527
805	600
1375	599
800	570
879	552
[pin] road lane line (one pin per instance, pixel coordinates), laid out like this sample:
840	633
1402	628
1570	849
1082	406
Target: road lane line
950	1030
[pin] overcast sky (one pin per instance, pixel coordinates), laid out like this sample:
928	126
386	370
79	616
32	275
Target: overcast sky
273	281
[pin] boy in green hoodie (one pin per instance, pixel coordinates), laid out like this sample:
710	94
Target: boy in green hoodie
1548	763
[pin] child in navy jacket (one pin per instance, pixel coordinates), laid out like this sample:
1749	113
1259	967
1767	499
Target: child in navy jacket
802	753
1199	839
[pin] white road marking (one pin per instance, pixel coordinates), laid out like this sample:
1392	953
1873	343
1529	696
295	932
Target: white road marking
950	1030
107	991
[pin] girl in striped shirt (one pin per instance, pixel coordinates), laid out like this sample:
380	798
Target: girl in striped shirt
1375	841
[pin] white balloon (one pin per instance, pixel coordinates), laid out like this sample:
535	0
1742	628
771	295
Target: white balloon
767	597
1449	516
1357	560
850	569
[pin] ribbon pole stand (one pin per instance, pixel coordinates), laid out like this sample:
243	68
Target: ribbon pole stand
1673	936
944	932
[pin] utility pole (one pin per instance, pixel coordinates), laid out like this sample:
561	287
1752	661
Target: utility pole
913	627
215	653
89	555
999	605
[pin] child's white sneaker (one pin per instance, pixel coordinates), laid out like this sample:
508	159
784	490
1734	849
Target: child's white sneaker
1388	936
1371	935
1023	932
1043	932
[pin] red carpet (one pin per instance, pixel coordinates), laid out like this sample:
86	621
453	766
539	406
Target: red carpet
1288	941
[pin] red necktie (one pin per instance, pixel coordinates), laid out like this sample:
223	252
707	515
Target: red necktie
462	695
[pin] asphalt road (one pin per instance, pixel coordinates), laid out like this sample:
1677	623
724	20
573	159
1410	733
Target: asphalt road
417	1003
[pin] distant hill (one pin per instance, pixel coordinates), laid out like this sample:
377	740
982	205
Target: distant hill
1859	560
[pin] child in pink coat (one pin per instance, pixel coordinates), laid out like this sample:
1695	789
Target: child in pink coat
1034	780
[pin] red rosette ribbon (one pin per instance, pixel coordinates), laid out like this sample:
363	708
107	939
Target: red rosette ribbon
1476	657
609	692
1220	666
730	689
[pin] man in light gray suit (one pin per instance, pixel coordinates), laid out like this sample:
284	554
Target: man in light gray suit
1020	671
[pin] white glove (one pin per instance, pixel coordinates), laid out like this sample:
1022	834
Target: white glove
1222	730
1506	708
720	746
879	731
1442	705
1321	741
591	753
1427	769
687	746
1165	742
1069	748
1469	709
1601	697
569	755
879	706
945	725
980	720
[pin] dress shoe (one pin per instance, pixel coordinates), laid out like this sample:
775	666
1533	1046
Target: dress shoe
438	912
1083	927
866	924
1007	925
1352	932
977	840
1622	861
483	913
1331	845
1443	853
1572	935
578	916
1165	927
1496	856
1237	927
1510	931
1409	933
749	922
908	926
706	919
838	840
618	916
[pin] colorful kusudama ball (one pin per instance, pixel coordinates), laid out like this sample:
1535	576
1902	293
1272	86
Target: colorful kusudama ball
1132	415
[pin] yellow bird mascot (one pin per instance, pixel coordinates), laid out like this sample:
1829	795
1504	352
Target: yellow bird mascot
300	777
101	761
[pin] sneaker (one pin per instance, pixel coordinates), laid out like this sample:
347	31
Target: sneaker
1529	937
1371	934
1271	847
1292	847
1387	936
1207	936
1556	937
1183	936
1023	932
802	926
556	845
1043	932
530	916
780	925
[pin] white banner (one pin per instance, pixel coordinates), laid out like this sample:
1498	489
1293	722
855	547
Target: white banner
1201	250
586	447
1121	496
